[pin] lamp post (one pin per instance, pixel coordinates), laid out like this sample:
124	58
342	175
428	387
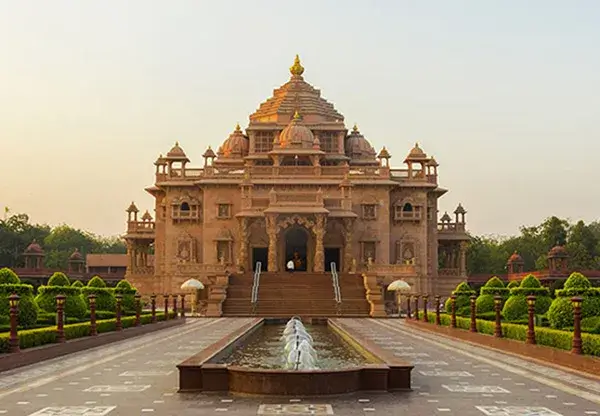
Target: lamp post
166	298
425	317
576	346
60	318
153	303
438	319
175	307
118	324
408	313
183	305
453	311
13	341
93	329
530	323
473	328
417	307
138	309
497	307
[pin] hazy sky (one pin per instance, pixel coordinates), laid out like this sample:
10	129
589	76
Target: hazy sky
505	95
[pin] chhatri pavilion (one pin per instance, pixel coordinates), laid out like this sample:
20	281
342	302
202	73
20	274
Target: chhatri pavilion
297	185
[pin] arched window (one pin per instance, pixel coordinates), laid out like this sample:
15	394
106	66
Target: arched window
407	207
184	207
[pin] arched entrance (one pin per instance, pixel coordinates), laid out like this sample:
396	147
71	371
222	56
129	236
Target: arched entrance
296	247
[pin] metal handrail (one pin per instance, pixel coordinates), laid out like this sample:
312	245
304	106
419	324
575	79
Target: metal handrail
256	284
336	283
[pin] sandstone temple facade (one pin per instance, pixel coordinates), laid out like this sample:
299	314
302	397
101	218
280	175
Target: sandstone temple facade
296	184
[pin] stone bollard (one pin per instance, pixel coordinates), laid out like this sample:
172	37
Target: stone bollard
417	307
13	341
577	343
153	303
497	308
138	309
408	312
425	300
60	318
453	311
118	323
166	298
531	320
473	299
183	305
438	319
93	328
176	315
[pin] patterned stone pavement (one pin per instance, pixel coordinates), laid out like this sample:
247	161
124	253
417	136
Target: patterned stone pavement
138	376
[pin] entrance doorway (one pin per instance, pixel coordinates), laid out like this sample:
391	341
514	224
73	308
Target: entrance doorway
332	254
260	254
296	241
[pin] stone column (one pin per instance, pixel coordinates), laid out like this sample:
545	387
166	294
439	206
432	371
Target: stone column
463	259
319	248
271	221
242	257
348	244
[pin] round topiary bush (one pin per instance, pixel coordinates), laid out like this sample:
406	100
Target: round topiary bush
28	308
96	281
75	306
77	283
515	307
560	313
463	294
485	302
128	292
513	284
8	277
59	279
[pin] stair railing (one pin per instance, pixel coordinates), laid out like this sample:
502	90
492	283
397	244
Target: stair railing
336	287
255	286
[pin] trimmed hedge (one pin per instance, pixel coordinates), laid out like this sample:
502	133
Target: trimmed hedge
560	313
59	279
128	292
515	307
463	293
77	283
28	308
35	337
105	298
96	281
544	336
513	283
485	301
8	277
74	304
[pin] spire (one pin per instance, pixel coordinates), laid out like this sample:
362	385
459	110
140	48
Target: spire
237	127
355	128
297	115
297	69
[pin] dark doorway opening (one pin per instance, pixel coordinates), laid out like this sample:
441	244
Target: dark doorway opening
260	254
332	254
296	240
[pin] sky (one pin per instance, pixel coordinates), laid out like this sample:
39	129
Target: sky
505	95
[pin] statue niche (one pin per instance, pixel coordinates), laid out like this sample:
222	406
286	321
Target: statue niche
186	249
406	252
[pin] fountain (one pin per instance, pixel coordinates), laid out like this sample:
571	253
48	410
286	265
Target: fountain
293	357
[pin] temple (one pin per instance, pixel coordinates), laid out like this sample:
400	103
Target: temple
296	185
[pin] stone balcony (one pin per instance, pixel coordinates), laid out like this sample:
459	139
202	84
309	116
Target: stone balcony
140	230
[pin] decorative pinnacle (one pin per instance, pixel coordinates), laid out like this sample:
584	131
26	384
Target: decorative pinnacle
355	128
296	115
237	127
297	69
177	143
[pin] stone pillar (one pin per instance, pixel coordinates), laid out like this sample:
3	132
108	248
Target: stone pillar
242	257
374	296
271	221
348	257
319	248
463	259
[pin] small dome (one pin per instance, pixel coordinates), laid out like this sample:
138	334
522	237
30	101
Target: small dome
34	248
76	256
432	162
146	216
558	251
209	153
160	161
515	258
132	208
236	146
460	210
296	135
176	153
357	147
384	154
445	217
416	154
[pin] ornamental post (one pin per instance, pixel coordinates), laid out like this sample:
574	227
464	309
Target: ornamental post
438	301
577	343
473	328
153	303
93	328
60	318
453	311
13	341
497	307
530	321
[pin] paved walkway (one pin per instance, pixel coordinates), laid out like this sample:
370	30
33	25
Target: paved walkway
138	376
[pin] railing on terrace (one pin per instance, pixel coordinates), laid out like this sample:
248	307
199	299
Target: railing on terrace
336	287
140	227
451	227
255	286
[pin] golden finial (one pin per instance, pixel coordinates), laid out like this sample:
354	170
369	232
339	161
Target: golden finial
296	115
355	128
417	145
297	69
237	127
177	143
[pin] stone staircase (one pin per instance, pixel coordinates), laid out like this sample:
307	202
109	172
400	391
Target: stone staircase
286	294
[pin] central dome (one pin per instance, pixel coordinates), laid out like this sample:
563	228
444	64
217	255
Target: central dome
296	135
